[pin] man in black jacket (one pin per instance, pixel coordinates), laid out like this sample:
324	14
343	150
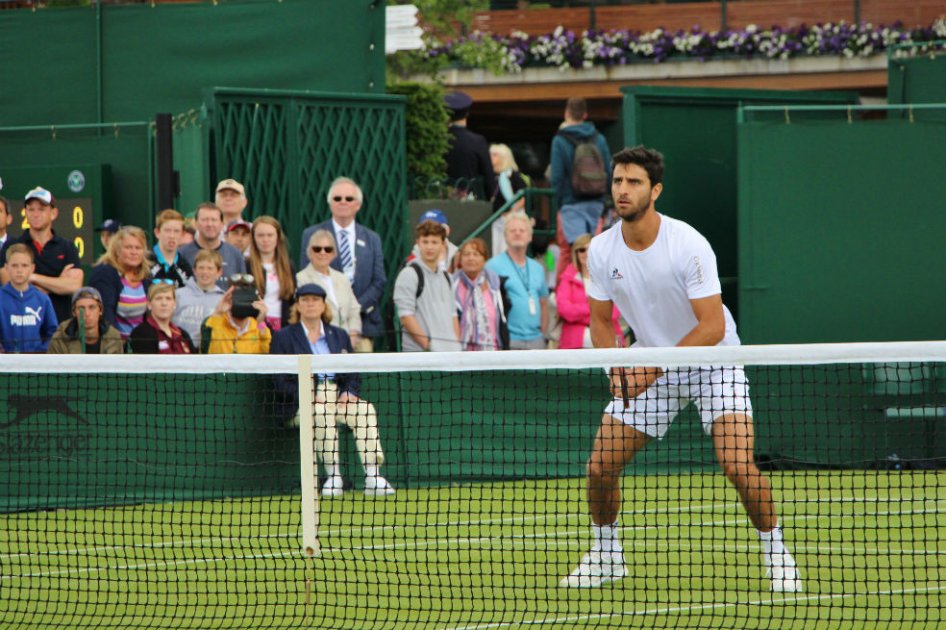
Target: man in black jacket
468	165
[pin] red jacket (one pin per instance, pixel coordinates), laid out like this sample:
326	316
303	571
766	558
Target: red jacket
574	310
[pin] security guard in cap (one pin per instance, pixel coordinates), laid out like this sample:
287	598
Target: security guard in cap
468	163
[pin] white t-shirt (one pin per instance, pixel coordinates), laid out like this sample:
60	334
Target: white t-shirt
271	299
653	288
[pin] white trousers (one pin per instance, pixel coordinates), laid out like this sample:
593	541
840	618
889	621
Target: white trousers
360	416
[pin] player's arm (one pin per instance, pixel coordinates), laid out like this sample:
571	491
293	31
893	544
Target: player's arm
623	381
710	322
602	330
67	283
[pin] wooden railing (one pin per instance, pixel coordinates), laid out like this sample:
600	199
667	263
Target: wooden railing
708	15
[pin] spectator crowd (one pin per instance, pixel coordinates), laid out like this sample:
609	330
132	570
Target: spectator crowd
220	283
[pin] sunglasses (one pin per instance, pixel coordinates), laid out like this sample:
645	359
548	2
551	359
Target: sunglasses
581	250
162	281
338	198
318	249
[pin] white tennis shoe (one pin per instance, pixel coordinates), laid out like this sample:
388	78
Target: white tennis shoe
334	486
783	572
596	568
378	487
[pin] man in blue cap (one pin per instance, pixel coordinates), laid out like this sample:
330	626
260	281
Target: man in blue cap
468	165
106	230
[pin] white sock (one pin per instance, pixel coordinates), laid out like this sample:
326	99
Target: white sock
371	472
332	470
772	541
606	538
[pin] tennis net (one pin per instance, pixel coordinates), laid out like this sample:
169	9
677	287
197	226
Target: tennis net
172	492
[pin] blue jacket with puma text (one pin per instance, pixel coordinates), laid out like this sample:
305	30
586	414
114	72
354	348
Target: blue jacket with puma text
27	319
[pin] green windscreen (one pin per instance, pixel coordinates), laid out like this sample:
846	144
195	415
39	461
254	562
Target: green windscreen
841	228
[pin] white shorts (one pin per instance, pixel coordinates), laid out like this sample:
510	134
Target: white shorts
715	390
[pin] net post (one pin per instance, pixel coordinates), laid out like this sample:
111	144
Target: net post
308	466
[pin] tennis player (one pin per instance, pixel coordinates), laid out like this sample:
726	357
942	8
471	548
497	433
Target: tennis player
661	274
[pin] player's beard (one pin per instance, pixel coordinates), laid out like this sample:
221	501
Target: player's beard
635	212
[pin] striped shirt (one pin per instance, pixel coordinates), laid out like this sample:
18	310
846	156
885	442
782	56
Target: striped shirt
132	305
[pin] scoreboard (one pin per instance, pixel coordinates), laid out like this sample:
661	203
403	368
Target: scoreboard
74	223
80	195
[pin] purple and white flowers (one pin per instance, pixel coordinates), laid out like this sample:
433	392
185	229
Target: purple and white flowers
563	49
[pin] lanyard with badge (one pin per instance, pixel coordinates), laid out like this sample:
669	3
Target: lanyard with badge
524	279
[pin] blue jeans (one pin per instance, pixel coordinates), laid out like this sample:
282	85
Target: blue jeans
580	217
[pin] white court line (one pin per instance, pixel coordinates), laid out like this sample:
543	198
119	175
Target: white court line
196	542
423	544
697	607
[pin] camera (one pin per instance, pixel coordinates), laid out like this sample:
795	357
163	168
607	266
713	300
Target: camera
244	294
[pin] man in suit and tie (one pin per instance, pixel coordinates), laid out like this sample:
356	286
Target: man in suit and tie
360	256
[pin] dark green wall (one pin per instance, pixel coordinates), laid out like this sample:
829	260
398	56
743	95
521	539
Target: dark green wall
159	58
695	129
920	79
841	230
124	153
126	63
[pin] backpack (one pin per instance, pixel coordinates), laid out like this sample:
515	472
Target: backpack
589	179
420	279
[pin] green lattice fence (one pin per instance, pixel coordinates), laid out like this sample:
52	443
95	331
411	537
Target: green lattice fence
287	147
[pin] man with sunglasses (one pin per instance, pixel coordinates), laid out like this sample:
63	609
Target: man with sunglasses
360	256
209	219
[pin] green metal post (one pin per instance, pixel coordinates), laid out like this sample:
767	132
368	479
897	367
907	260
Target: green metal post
99	80
722	15
857	12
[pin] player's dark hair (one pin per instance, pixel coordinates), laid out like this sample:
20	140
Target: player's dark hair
650	160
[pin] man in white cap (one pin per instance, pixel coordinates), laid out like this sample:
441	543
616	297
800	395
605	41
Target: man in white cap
57	261
231	197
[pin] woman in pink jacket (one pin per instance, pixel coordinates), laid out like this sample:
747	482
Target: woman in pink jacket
572	301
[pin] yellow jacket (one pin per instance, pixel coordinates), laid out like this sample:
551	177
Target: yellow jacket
219	336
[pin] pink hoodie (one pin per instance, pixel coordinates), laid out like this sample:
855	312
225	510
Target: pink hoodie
574	310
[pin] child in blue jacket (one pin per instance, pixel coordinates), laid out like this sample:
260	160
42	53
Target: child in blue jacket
27	317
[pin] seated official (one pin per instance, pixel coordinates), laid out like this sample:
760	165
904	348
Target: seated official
238	324
157	335
336	395
86	332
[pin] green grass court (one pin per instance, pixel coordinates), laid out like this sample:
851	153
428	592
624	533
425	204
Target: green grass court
871	546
